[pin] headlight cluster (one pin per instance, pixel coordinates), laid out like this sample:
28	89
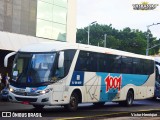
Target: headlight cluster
11	89
40	92
44	91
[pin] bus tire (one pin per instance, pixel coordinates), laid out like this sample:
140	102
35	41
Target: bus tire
97	104
129	99
73	103
38	106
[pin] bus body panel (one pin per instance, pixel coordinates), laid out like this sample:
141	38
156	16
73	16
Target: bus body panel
96	88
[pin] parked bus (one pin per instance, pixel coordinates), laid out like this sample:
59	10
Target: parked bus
157	63
157	83
68	74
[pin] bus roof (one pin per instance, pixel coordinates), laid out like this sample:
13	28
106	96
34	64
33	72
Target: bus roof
157	59
57	46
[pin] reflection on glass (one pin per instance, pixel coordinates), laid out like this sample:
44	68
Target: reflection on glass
59	32
44	29
59	14
51	19
51	30
44	11
33	68
62	3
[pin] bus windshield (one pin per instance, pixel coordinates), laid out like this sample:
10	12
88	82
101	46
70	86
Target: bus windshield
34	68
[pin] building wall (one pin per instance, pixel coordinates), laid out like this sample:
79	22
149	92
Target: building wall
18	16
52	19
71	21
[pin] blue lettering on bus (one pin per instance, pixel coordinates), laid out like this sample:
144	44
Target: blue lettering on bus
77	78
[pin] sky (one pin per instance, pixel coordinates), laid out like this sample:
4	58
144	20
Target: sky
119	13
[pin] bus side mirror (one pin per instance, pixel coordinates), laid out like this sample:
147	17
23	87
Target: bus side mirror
61	59
7	57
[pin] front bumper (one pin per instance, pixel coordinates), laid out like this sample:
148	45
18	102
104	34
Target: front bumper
44	99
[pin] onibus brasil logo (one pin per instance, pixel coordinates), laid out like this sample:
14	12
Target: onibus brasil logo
113	82
144	6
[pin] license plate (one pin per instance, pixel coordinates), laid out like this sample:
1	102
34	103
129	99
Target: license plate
25	102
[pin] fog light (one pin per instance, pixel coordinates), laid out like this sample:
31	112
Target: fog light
45	99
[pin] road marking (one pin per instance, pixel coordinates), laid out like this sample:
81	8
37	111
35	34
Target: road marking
72	118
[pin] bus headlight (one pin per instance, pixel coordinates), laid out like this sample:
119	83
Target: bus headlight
45	91
11	89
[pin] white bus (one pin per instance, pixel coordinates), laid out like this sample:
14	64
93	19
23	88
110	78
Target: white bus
157	63
67	74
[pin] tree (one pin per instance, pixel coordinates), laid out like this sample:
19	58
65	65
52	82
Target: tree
131	40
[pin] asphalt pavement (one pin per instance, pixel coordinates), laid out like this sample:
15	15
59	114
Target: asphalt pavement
140	109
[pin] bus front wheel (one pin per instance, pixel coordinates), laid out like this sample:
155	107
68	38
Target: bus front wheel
73	103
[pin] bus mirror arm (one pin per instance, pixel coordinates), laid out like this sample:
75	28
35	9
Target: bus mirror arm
7	57
61	59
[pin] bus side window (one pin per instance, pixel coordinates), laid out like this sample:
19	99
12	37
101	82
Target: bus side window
81	64
87	61
136	66
148	66
151	67
68	58
126	66
92	62
115	63
101	63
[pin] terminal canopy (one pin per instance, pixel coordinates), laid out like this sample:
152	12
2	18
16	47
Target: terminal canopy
13	42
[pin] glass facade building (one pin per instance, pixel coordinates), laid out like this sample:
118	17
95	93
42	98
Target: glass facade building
40	18
51	19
